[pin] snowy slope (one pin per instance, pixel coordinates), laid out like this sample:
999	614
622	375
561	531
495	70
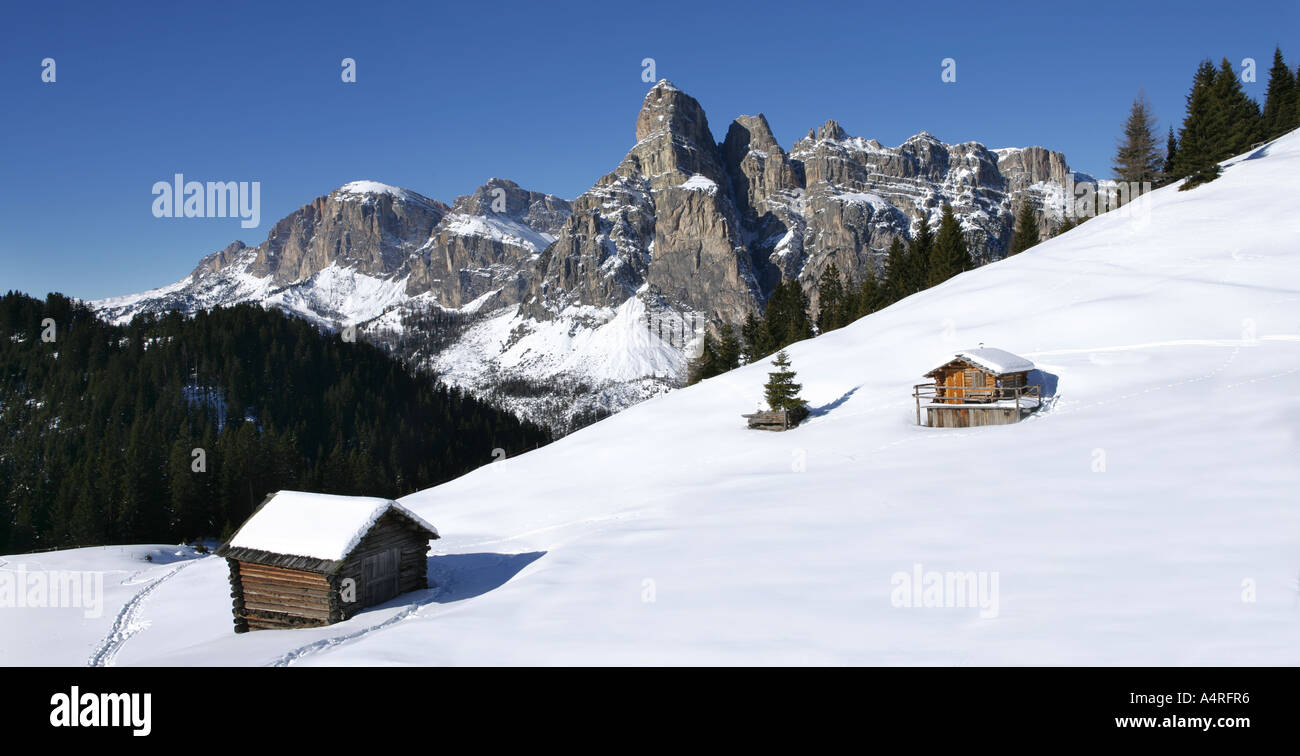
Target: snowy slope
1127	524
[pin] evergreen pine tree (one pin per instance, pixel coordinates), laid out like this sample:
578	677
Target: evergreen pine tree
1025	234
895	271
801	320
1137	157
830	300
728	348
1238	119
781	392
704	365
787	315
917	261
189	498
716	356
1295	120
1280	102
867	298
950	254
88	526
1171	155
1195	140
757	340
776	314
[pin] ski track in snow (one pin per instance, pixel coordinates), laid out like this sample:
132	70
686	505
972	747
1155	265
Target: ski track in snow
127	623
132	579
445	589
325	644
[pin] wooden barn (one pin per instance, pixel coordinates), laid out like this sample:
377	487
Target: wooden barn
306	559
982	386
774	420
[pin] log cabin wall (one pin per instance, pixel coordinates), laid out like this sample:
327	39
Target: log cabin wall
955	379
370	561
961	381
267	597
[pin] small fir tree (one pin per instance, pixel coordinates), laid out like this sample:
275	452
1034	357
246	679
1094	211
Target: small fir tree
1026	232
1280	102
950	254
1137	157
896	271
830	300
1171	155
1195	139
782	392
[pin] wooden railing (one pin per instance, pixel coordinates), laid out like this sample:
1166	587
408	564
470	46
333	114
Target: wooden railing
959	395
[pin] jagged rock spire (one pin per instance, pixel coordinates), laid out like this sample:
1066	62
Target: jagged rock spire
673	136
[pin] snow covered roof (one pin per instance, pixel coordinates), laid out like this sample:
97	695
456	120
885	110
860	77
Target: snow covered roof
320	526
995	361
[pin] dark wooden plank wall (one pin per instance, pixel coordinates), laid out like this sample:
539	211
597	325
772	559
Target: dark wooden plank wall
392	531
268	597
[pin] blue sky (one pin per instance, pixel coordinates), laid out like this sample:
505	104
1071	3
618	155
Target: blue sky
545	94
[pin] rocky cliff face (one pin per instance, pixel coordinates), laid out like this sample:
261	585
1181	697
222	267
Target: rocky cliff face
365	225
1036	175
686	233
487	246
662	225
710	228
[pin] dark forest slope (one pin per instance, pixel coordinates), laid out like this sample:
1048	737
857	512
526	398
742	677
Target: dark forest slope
99	428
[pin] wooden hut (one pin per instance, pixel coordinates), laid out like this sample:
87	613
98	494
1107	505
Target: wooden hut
982	386
306	559
774	420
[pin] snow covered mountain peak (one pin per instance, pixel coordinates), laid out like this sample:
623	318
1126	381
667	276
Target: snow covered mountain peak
366	187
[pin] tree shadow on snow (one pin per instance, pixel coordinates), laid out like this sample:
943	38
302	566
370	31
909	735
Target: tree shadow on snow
826	408
1262	152
463	576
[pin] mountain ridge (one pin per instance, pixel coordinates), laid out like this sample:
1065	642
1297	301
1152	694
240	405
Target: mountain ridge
699	231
